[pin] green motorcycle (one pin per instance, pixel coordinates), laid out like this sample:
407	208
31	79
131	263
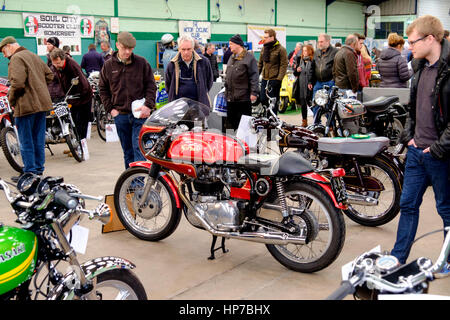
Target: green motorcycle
48	210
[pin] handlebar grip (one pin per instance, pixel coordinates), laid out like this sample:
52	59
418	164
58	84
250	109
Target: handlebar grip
63	198
345	289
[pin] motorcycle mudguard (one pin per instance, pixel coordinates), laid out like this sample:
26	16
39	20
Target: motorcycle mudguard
317	178
165	176
5	120
91	269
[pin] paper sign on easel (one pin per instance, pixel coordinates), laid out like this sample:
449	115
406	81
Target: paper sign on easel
85	149
111	133
89	131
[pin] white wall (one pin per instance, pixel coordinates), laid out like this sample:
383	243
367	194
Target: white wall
437	8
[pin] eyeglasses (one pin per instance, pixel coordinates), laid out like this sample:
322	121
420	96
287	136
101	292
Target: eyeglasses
411	43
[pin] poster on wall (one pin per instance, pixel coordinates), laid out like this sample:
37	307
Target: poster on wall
199	30
73	43
102	32
255	35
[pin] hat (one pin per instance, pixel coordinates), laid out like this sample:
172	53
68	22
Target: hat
54	41
237	39
126	39
7	40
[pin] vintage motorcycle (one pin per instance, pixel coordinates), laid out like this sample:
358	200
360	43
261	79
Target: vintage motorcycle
9	137
48	209
101	117
229	192
61	128
375	273
373	177
383	116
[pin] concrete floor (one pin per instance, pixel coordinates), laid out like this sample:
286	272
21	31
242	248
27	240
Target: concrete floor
177	267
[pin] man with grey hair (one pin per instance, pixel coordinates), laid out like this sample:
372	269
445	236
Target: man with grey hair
107	52
345	67
188	74
321	72
209	53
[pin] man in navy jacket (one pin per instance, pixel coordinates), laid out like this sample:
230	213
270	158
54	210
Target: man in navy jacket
92	60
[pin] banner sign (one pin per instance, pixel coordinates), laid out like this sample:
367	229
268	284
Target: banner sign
73	43
55	25
255	35
200	31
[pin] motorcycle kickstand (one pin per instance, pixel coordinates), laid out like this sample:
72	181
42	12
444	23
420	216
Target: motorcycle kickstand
213	249
48	147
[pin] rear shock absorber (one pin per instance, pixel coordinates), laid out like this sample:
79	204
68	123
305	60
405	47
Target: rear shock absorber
282	197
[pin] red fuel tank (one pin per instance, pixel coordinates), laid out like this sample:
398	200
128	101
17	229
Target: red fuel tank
207	147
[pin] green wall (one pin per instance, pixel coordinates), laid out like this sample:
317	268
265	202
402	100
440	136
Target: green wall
148	20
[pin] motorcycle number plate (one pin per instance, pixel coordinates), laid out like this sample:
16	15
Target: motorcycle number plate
338	187
3	103
80	236
61	111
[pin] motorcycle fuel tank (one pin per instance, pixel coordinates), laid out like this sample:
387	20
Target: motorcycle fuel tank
207	147
18	253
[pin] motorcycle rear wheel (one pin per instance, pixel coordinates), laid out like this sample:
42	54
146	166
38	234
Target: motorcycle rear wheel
158	219
11	148
103	118
74	144
325	229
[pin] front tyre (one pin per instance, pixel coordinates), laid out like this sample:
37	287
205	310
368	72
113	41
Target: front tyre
324	226
11	148
158	217
119	284
74	144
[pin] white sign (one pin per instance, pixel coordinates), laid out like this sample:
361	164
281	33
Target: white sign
55	25
73	43
200	31
255	35
115	25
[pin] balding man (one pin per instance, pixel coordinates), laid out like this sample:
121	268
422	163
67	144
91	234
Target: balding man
345	67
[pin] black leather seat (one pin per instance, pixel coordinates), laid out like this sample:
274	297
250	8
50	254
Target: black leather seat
380	104
287	164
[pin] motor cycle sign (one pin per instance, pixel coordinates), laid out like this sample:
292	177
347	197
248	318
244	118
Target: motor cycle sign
200	31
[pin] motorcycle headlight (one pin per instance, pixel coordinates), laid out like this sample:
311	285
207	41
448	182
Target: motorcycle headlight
321	97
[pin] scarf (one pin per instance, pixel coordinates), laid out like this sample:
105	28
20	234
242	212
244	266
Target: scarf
267	47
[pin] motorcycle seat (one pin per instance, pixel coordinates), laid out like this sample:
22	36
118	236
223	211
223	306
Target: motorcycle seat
350	146
380	104
289	163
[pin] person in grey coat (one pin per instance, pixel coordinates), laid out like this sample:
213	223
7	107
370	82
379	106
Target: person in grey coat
392	65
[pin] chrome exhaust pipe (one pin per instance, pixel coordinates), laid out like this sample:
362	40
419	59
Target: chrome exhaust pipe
362	200
278	238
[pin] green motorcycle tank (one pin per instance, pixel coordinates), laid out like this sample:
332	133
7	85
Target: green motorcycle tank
18	254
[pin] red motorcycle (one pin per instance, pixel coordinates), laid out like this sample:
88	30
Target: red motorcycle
221	187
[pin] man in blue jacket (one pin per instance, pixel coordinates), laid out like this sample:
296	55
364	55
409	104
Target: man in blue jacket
92	60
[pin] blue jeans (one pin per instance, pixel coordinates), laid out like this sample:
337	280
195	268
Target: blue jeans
31	130
128	128
421	171
319	85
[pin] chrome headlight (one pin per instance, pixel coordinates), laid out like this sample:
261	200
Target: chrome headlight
321	97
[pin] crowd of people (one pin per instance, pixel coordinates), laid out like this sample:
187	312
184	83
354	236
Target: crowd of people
191	70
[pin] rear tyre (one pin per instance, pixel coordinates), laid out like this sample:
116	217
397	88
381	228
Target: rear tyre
11	148
74	144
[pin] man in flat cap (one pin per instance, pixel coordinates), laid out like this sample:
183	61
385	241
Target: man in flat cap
29	96
124	78
241	82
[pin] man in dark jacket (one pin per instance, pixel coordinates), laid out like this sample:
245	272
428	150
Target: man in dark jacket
241	82
209	53
345	67
30	98
68	69
54	87
272	65
321	72
92	60
107	52
188	74
427	132
124	78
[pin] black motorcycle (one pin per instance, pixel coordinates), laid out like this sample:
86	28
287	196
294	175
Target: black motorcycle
383	116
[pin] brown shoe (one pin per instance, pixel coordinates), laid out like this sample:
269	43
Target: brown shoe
70	154
304	123
67	151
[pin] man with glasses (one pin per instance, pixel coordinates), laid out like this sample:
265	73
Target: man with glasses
427	132
189	74
124	78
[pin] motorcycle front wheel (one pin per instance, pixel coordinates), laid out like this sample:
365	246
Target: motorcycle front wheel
74	144
103	118
11	148
157	218
324	225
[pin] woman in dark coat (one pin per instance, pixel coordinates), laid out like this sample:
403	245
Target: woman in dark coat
302	94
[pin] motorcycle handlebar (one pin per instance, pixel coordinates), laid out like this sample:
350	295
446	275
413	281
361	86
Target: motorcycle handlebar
64	199
345	289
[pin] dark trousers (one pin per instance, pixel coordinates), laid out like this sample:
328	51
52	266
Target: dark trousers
235	110
81	114
421	170
303	103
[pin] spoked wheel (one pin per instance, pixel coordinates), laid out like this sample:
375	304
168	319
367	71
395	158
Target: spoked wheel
119	284
283	105
103	118
11	148
324	226
158	217
388	195
74	143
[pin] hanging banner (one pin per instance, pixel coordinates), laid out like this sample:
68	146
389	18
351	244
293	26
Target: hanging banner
102	32
200	31
54	25
255	35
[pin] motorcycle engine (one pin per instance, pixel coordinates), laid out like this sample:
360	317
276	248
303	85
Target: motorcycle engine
211	198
